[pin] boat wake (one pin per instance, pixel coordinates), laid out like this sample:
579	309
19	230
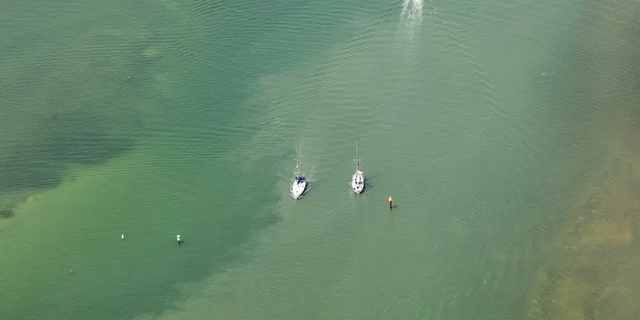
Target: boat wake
411	15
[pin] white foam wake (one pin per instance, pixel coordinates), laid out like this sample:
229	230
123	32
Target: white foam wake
411	14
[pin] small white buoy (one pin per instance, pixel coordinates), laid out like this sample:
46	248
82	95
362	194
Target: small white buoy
122	236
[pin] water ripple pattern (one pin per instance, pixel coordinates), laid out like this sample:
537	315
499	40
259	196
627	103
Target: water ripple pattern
154	118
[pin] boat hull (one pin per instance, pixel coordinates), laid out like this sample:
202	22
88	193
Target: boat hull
357	182
298	188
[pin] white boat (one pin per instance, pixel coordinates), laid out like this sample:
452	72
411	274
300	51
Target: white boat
357	180
299	184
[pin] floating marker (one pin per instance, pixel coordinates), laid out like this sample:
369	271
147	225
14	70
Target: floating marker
390	203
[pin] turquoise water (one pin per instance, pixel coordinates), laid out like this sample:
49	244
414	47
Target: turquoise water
157	118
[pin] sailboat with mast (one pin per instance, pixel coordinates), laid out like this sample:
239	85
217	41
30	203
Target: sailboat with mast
357	180
299	184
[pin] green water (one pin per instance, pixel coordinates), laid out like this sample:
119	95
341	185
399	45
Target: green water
159	117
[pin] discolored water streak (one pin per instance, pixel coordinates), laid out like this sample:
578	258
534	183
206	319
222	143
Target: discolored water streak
588	269
68	98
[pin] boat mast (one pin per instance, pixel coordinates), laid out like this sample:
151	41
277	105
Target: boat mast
296	172
357	160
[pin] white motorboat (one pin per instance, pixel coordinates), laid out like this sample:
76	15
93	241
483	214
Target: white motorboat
299	184
357	180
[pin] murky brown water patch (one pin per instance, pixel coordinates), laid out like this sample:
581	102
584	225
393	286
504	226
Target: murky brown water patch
589	272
